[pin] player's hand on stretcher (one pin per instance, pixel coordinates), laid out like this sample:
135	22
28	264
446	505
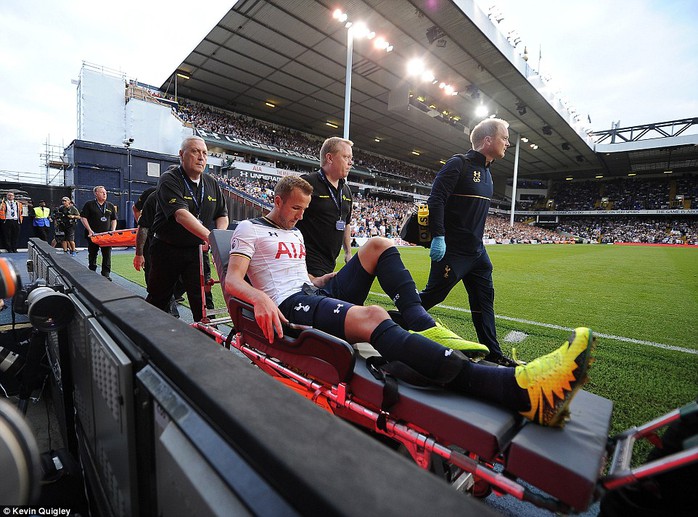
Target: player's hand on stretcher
269	318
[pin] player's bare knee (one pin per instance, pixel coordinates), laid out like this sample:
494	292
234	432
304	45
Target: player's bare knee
375	314
379	244
362	320
372	250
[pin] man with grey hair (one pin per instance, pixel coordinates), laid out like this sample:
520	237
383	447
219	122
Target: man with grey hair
458	205
189	205
98	215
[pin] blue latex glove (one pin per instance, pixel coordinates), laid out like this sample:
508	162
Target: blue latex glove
438	248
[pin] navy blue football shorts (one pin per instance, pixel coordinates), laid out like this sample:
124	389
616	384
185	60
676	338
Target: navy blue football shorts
316	310
351	283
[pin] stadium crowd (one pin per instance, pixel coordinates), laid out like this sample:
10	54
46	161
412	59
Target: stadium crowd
618	194
248	128
374	216
499	229
261	189
633	229
624	193
380	217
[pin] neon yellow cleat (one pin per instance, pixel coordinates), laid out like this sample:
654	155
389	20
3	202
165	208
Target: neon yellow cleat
450	339
554	379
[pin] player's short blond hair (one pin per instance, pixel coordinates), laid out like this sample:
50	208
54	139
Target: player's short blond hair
288	184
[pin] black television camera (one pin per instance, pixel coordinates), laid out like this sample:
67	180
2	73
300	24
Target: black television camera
48	307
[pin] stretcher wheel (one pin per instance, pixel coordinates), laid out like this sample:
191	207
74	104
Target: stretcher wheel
481	488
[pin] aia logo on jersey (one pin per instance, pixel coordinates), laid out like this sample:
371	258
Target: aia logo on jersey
476	176
292	250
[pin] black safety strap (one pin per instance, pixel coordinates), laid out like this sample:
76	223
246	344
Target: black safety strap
388	373
405	373
376	366
229	339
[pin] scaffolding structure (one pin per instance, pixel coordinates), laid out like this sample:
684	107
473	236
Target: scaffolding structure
54	159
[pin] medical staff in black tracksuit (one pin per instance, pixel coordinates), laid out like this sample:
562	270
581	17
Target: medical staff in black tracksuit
458	205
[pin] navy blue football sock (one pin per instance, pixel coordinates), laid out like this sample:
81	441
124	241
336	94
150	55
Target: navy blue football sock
492	383
397	283
419	353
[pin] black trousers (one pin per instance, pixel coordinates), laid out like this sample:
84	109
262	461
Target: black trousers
167	265
92	251
41	232
476	274
10	230
179	288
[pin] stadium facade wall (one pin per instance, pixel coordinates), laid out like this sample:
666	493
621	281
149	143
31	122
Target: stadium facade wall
154	127
107	116
95	164
100	106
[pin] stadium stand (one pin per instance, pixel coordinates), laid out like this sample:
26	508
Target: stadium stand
497	228
384	190
392	178
633	229
218	121
375	216
625	194
378	217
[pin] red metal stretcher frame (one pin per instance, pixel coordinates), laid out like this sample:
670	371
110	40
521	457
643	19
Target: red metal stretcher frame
338	384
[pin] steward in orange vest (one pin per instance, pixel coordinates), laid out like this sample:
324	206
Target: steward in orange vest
12	217
4	208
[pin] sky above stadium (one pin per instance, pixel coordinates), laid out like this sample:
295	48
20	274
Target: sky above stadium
633	61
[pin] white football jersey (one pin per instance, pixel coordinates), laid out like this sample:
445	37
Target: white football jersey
277	257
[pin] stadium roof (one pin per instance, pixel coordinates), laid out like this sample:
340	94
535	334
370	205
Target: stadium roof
284	61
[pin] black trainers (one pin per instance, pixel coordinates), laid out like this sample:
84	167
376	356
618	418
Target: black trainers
503	360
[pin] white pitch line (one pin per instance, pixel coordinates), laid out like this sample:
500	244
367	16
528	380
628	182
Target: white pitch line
559	327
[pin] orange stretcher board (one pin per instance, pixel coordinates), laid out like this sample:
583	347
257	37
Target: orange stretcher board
125	237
